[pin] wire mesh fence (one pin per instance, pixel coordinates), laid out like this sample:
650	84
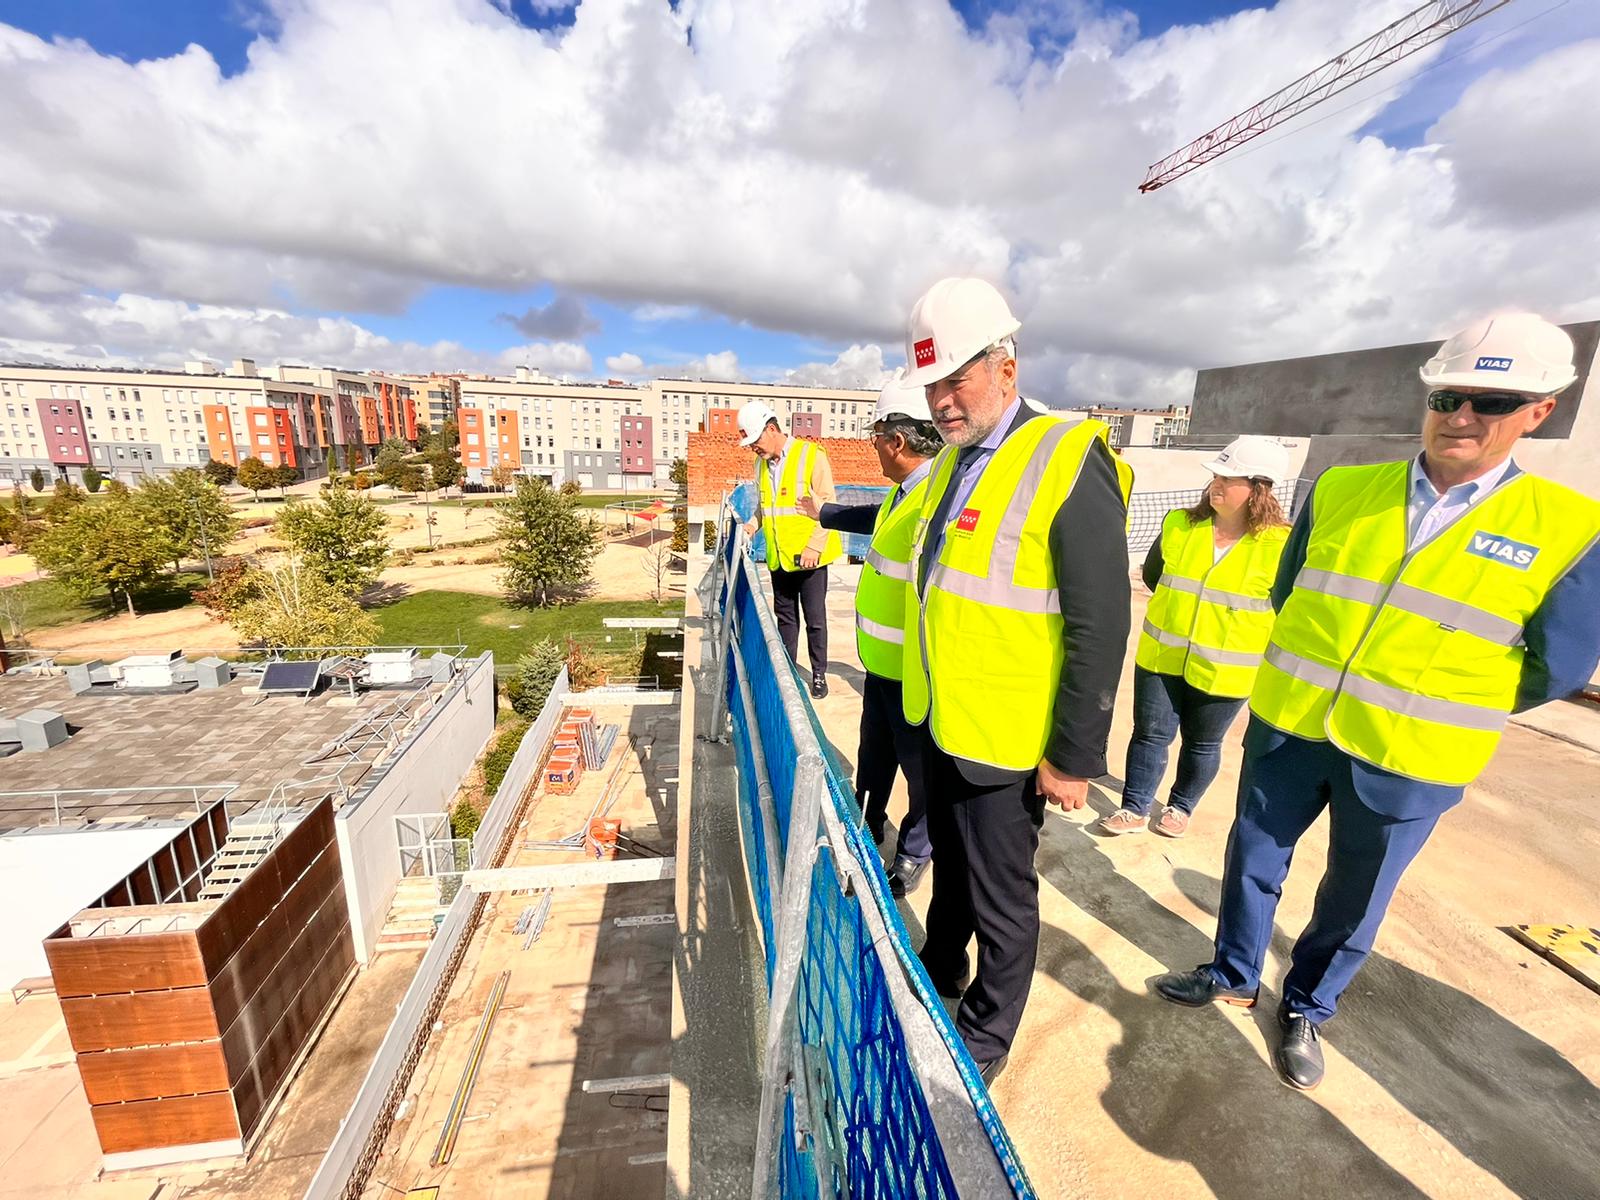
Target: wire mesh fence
867	1088
1146	511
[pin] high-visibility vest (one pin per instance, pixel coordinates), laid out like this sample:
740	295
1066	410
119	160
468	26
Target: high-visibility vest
788	529
984	647
1210	618
1410	659
881	594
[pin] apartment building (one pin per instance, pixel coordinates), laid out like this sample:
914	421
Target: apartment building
368	408
1149	427
613	436
437	398
132	423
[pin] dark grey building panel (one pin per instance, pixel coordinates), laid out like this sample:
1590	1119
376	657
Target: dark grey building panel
1359	393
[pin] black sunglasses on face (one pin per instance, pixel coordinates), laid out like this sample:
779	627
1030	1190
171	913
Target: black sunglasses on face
1485	404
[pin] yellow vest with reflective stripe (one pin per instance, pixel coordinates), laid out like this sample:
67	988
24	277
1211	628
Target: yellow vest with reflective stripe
1210	618
984	646
1410	660
788	529
881	594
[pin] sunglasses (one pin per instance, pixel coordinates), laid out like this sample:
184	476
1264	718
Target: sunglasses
1485	404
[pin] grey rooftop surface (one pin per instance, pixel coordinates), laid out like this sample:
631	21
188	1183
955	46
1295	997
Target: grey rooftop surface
123	740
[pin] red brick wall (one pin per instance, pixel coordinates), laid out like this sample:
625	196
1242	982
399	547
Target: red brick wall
717	464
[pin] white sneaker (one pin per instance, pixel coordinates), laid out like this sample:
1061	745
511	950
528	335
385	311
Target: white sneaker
1120	822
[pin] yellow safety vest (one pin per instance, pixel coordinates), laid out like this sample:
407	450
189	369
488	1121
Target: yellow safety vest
1210	618
1410	659
984	647
788	529
881	594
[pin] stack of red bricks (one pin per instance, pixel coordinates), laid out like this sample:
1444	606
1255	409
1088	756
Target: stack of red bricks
565	768
718	464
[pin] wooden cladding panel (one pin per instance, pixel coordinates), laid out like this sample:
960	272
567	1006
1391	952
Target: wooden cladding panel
264	888
140	1019
269	1068
179	1121
137	963
289	974
252	965
112	1076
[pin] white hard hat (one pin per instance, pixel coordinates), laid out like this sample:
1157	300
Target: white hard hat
1251	457
1517	352
897	398
753	418
955	321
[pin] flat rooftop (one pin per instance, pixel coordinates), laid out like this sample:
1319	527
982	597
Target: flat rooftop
128	740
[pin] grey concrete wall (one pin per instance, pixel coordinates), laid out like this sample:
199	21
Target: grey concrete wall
422	778
1366	406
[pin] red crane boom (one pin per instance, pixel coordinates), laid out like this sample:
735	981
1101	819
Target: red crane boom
1416	30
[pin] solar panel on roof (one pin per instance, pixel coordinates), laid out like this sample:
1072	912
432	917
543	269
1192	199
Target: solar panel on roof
290	677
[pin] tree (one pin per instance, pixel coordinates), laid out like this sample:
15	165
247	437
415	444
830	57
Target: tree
36	478
413	477
548	545
657	565
17	524
255	475
219	472
294	605
535	674
390	463
117	489
445	466
191	511
447	439
343	538
110	545
502	475
680	505
284	477
237	582
92	479
65	497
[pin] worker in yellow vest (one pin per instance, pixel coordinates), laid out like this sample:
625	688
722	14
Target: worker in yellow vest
1419	605
798	549
1211	571
905	441
1016	627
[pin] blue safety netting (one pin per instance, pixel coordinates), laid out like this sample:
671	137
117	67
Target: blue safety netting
743	501
876	1137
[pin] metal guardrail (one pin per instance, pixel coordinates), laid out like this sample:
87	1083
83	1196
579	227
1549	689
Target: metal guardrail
108	796
348	1163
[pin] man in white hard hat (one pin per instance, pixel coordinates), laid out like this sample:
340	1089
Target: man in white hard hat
1420	603
905	441
798	549
1016	628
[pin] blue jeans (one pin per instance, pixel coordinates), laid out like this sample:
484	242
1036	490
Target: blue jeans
1162	706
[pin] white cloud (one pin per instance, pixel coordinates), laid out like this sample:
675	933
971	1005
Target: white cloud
804	167
858	367
629	365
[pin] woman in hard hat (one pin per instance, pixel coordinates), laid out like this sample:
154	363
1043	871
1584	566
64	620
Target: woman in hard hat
1211	571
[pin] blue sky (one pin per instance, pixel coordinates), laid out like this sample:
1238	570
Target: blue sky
663	335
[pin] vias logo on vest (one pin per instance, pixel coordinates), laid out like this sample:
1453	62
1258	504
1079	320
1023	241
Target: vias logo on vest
1502	549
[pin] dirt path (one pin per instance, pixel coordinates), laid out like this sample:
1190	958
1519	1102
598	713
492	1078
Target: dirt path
187	629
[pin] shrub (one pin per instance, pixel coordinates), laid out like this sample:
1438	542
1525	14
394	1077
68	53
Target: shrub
498	761
256	522
402	558
92	479
464	820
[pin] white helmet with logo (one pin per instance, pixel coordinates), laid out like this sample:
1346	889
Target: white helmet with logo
955	321
753	418
1516	352
1251	457
900	399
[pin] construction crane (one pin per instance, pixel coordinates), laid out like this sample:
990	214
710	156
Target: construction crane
1415	31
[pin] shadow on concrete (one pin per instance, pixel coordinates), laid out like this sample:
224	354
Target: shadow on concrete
1189	1085
1506	1100
851	674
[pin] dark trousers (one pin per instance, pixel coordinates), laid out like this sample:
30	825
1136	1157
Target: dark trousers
888	743
792	591
984	885
1281	792
1163	707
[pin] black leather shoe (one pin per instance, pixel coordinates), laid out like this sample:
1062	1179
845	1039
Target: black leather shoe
1299	1056
904	876
991	1070
819	686
1198	988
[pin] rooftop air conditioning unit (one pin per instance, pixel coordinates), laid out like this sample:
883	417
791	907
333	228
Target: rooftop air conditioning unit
390	666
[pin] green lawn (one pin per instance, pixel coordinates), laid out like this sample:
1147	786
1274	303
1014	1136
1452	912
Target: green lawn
488	623
45	604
